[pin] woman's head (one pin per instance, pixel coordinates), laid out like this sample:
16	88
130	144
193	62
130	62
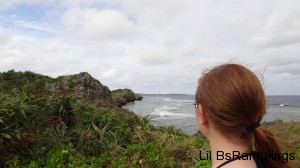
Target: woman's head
232	98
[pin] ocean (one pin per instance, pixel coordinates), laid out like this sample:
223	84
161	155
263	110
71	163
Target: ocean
178	110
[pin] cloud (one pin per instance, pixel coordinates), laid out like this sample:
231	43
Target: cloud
156	12
8	4
103	50
13	3
109	74
284	60
281	27
36	26
154	55
91	23
49	55
151	46
2	36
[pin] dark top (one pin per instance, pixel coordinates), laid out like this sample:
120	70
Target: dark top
254	155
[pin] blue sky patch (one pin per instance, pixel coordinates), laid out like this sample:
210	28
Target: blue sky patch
27	12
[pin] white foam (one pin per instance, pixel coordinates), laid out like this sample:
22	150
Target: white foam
178	100
166	114
167	99
168	108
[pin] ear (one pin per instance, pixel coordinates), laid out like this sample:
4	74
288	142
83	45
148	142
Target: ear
202	115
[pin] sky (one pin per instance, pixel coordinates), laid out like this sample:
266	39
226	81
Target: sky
157	46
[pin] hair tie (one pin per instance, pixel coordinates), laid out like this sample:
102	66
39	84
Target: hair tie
253	126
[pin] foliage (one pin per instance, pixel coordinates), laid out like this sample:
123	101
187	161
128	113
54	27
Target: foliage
38	129
15	112
118	92
122	92
12	79
62	156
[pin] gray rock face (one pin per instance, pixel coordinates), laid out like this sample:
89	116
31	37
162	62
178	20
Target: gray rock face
83	86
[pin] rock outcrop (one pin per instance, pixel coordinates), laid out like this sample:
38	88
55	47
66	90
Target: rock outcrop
123	96
83	86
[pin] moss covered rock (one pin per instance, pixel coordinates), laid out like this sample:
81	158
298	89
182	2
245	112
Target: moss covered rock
123	96
83	86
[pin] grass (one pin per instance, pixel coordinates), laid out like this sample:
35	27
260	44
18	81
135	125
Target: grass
38	129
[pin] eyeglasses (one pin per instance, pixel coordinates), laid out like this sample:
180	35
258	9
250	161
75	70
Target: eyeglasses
196	105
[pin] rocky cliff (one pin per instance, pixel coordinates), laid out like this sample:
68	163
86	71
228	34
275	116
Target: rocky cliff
83	86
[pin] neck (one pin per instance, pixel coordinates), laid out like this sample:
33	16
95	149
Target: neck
223	149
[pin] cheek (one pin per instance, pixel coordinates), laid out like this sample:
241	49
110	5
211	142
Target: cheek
198	117
201	127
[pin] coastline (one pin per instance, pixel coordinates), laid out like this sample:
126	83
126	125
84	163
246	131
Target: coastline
178	110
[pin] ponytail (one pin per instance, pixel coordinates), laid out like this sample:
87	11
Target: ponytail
265	143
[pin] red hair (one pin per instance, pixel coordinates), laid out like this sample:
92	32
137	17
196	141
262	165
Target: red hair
233	99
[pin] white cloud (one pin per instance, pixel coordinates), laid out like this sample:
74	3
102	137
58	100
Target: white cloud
277	41
154	55
2	36
8	4
278	56
109	73
156	12
75	3
49	56
35	26
282	27
95	24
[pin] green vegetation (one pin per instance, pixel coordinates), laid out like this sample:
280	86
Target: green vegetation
123	96
119	92
40	129
123	93
11	79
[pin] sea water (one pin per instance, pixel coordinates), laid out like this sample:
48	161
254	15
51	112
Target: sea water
178	110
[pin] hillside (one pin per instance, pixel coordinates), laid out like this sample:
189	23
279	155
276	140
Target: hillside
74	121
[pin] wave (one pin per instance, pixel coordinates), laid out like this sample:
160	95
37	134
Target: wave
178	100
282	105
167	98
162	114
168	108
